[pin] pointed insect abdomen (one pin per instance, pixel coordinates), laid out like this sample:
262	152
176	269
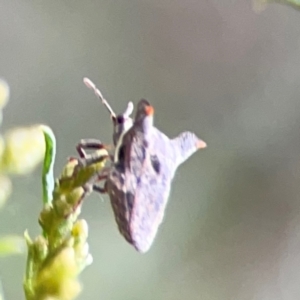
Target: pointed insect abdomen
185	145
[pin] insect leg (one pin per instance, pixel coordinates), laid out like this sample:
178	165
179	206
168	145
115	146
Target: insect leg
94	158
97	188
89	144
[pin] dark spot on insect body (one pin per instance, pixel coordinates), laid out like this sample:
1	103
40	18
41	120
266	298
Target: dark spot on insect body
145	143
130	200
117	174
155	163
121	155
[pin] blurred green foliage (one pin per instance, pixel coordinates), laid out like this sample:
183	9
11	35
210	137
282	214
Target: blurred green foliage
56	258
21	150
260	5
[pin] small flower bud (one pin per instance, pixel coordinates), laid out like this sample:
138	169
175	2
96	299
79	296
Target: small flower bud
5	189
25	148
4	93
12	244
58	279
41	248
80	229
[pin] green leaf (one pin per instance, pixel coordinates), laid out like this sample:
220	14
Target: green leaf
47	175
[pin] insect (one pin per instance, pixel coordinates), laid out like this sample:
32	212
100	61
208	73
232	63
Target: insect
143	167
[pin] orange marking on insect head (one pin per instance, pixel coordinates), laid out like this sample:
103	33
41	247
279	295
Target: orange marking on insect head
149	110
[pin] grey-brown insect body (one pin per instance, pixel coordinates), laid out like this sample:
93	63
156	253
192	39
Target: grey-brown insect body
143	167
139	183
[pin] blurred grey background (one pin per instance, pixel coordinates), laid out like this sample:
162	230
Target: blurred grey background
232	225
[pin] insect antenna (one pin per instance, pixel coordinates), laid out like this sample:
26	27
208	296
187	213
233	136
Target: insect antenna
97	92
